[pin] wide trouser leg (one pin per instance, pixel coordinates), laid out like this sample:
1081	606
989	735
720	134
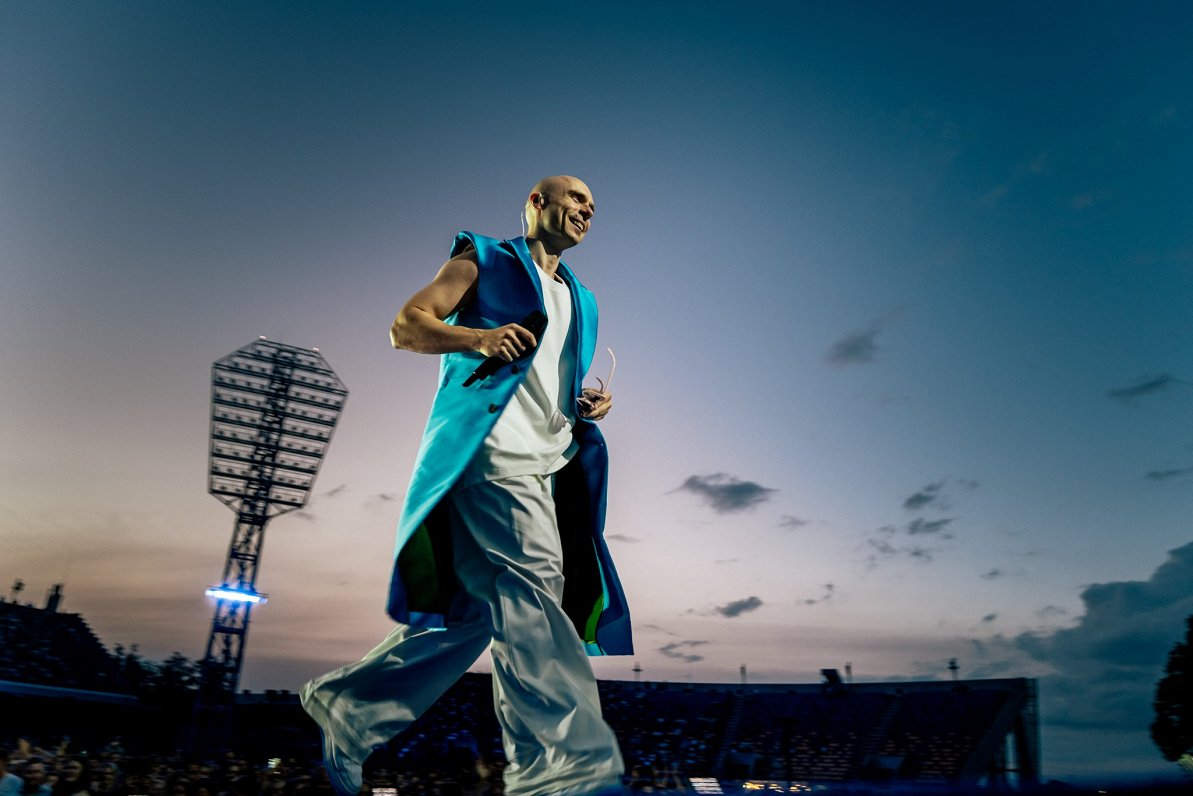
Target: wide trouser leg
544	691
369	702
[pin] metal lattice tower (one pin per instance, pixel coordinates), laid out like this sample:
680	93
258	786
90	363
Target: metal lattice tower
273	410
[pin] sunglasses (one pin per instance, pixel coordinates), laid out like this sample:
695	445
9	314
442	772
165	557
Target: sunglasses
605	385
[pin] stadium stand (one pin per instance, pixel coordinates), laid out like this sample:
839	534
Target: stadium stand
666	727
932	733
43	646
56	676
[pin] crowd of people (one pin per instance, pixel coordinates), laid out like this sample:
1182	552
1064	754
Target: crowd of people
33	769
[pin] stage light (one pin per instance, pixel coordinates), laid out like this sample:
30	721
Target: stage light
237	595
273	410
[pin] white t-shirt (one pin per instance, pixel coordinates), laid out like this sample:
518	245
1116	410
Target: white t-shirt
533	435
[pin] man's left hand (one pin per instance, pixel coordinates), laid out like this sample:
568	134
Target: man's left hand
594	404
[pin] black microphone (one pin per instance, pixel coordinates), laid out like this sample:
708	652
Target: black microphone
534	323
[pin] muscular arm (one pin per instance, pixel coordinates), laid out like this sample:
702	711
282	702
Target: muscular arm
419	324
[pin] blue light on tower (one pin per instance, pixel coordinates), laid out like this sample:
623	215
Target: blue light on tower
233	594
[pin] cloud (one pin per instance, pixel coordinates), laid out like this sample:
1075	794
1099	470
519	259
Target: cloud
1037	165
860	347
883	549
654	627
1166	113
675	650
891	541
855	348
989	618
1052	612
1088	199
726	494
1165	475
921	526
1147	386
992	574
928	496
829	590
1100	674
1126	623
790	522
994	195
739	607
921	552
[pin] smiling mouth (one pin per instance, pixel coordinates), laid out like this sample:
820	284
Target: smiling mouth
578	225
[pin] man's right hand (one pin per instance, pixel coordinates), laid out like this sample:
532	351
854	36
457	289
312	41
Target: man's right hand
508	342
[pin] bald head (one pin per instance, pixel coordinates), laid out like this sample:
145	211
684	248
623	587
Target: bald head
559	211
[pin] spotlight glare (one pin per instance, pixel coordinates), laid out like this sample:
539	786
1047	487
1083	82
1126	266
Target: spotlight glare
237	595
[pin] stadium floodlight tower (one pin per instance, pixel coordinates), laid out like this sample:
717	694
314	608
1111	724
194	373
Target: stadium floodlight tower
273	410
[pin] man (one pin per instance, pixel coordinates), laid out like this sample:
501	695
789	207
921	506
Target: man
505	507
107	780
34	774
10	784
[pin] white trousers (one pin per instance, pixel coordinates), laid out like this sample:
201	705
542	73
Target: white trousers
509	561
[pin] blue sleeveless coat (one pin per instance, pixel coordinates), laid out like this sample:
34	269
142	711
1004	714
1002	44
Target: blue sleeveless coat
424	590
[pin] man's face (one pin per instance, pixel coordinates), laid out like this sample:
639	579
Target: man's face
566	211
34	773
